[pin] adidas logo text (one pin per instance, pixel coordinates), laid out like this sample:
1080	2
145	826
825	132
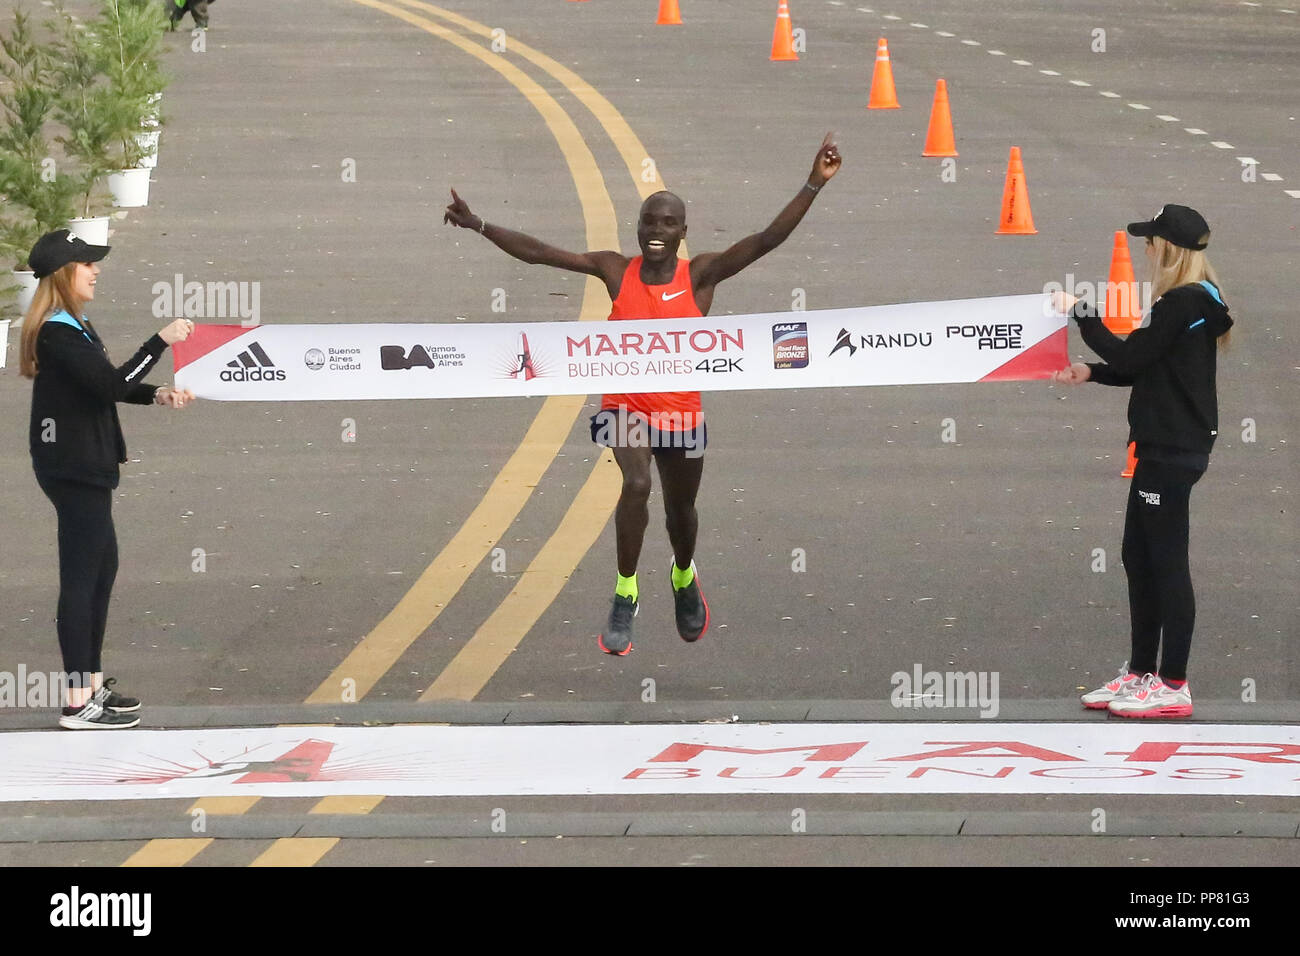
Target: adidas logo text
252	365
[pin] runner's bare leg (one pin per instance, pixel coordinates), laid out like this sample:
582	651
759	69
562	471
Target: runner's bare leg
633	511
679	475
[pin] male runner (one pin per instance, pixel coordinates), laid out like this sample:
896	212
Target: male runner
668	427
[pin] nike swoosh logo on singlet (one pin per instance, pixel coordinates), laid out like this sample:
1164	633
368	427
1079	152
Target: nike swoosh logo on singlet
667	297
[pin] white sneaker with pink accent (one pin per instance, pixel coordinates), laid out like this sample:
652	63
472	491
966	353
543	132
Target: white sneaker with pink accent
1121	686
1154	698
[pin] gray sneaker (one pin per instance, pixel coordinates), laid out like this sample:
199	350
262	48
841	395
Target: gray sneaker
617	639
113	702
93	716
691	609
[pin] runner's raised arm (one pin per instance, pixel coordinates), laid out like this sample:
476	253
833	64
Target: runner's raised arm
710	268
606	265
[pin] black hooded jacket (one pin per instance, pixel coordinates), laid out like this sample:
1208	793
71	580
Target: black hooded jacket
1170	362
75	433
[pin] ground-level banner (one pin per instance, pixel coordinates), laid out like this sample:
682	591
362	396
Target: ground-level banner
969	757
969	340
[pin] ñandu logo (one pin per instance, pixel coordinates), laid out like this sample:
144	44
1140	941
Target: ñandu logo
877	340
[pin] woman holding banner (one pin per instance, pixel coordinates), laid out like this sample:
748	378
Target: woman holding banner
1170	363
76	446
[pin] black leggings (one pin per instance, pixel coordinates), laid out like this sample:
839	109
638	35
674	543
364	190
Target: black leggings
87	569
1161	602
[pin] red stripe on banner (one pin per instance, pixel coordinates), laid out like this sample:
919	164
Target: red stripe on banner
205	339
1036	362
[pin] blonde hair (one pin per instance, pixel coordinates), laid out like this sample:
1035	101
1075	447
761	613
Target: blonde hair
54	293
1176	266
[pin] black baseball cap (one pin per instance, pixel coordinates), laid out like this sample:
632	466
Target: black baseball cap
1180	225
54	250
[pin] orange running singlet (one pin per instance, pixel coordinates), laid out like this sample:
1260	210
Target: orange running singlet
667	411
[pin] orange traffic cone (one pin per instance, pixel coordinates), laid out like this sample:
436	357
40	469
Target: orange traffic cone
669	15
882	95
783	35
939	140
1132	461
1123	311
1016	219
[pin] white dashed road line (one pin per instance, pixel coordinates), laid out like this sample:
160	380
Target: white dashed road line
1109	94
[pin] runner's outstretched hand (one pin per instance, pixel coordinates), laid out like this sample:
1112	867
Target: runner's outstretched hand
458	214
827	163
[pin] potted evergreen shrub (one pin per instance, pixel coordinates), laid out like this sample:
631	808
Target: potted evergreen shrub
129	33
36	198
86	108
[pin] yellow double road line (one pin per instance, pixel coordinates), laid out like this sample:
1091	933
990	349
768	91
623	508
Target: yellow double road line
544	578
505	498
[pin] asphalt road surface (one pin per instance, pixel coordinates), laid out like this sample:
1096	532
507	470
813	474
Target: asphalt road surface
439	557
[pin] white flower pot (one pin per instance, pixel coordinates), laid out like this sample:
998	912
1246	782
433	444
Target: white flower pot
27	283
4	341
130	187
147	140
93	230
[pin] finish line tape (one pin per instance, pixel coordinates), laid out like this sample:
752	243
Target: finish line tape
1004	338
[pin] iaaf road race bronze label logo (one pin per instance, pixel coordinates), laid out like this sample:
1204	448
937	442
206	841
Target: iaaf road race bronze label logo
790	345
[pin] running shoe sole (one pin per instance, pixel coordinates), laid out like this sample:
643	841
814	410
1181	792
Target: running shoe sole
600	642
1178	710
78	723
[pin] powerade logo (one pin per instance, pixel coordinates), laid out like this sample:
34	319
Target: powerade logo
252	365
790	345
1001	335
